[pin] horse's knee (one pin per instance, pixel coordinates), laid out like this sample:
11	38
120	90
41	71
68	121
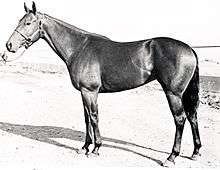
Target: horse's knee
94	118
94	107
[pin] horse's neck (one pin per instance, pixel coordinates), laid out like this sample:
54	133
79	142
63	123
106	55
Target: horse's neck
64	39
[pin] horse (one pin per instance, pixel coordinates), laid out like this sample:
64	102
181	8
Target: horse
96	64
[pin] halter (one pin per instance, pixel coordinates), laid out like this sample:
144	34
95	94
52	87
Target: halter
29	40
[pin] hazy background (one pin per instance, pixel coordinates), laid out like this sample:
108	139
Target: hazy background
195	22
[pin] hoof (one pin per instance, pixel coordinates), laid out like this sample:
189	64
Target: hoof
168	164
195	157
82	151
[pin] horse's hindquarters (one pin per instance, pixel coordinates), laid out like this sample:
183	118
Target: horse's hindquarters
175	64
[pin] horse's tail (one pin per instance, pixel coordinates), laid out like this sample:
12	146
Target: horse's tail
191	94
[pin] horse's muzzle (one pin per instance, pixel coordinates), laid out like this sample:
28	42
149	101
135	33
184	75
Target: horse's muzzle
4	57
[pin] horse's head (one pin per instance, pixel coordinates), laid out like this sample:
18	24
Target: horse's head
28	30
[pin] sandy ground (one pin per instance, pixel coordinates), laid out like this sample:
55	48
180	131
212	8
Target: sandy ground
42	125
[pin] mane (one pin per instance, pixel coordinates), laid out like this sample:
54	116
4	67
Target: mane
75	28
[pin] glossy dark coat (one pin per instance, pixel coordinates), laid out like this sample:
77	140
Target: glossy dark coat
97	64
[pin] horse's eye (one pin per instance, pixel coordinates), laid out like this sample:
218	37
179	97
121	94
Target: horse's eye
28	23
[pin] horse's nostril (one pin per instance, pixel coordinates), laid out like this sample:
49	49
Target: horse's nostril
9	46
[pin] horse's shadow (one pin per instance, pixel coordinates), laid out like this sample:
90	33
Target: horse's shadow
47	133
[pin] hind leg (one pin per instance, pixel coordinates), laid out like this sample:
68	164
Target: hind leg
176	107
192	117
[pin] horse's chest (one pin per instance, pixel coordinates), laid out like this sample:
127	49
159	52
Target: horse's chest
85	74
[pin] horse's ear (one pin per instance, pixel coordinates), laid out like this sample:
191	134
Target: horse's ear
27	10
34	10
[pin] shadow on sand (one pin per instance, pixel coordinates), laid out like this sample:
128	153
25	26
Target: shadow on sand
47	133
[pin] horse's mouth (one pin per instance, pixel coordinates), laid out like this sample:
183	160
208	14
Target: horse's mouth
4	57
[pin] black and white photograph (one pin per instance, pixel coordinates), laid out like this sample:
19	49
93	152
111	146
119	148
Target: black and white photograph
119	84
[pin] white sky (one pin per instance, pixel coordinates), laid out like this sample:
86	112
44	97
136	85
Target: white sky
195	22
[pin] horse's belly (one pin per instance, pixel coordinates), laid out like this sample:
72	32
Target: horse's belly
124	80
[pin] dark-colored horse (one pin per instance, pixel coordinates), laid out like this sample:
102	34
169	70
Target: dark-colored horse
97	64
